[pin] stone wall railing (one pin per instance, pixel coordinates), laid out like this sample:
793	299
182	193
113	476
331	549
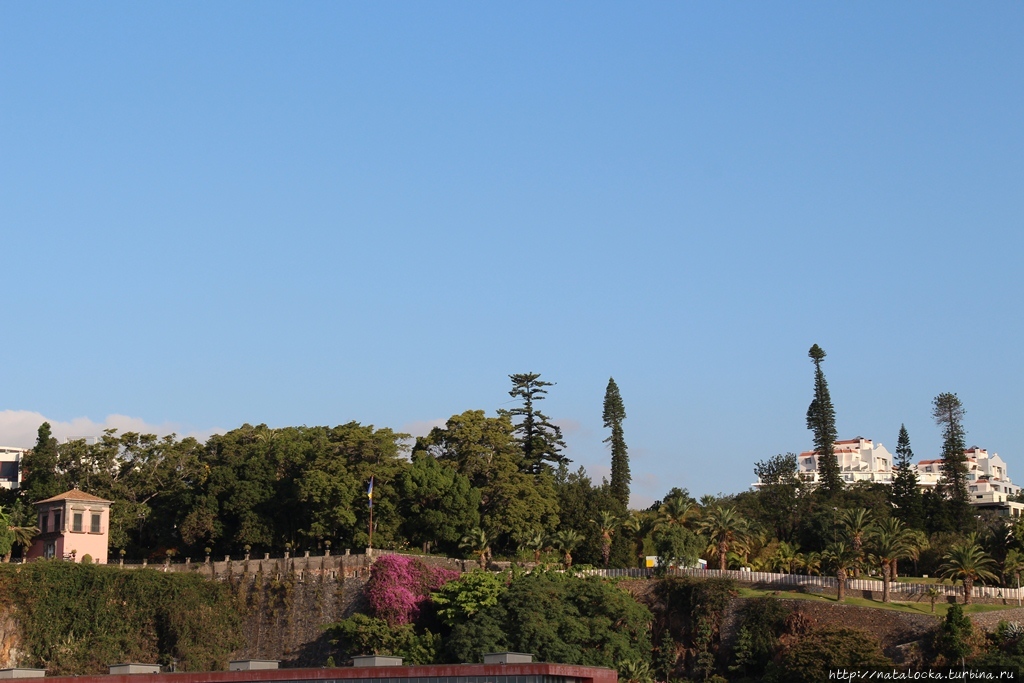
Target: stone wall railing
774	580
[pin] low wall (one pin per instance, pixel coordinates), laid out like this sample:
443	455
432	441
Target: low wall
330	566
855	587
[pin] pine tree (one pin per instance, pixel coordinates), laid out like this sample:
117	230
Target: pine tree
821	419
948	412
540	440
613	415
905	493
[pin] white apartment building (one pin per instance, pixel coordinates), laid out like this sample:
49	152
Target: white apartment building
10	466
860	459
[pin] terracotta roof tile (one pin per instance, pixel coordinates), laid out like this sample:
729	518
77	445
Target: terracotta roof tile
75	494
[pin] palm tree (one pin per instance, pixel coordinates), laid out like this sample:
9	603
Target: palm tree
11	535
812	563
933	595
639	525
607	523
858	523
565	541
918	541
477	542
967	562
788	557
1013	565
536	542
677	511
841	558
889	542
724	526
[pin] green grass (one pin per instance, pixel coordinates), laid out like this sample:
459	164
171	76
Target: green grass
916	607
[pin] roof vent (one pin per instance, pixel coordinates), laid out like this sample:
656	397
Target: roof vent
376	660
133	668
508	658
22	673
253	664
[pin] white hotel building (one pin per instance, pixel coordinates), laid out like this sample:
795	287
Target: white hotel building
10	467
860	459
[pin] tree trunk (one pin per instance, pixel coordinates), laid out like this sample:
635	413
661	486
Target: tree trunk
841	580
895	570
723	550
968	586
886	575
857	544
568	559
606	551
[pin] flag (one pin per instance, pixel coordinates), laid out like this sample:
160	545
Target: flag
369	492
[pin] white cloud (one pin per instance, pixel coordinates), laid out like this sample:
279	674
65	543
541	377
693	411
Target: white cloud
18	428
569	426
423	427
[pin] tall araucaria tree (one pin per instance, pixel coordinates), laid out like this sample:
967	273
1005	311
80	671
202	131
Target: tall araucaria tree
613	415
821	419
905	494
540	440
948	412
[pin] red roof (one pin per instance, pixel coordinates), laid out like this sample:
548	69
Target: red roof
75	494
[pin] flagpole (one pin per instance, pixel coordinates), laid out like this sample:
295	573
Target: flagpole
369	495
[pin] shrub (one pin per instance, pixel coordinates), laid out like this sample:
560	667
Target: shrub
399	585
87	559
764	620
809	658
116	616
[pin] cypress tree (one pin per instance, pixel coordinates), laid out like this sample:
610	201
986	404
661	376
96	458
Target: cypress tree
948	412
905	493
40	467
821	419
613	415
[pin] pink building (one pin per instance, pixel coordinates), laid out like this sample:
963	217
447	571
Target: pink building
72	525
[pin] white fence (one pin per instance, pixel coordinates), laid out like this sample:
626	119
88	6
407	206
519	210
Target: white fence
907	590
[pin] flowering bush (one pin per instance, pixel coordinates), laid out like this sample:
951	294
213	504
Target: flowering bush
399	585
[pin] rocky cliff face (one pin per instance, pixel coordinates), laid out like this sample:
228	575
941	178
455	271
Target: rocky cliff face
284	617
10	639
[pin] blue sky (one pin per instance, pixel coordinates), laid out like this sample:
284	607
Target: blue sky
322	212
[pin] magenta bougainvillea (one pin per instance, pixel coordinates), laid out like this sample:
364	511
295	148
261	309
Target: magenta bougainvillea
399	585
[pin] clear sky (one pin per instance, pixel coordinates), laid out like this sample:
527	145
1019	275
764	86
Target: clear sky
311	213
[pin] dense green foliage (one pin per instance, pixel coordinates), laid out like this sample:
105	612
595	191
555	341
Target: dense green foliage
810	657
78	619
762	623
557	616
690	610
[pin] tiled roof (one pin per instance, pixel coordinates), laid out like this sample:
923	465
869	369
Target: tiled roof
75	494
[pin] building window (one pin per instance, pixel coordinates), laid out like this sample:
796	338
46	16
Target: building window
42	523
49	549
94	526
76	522
56	521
